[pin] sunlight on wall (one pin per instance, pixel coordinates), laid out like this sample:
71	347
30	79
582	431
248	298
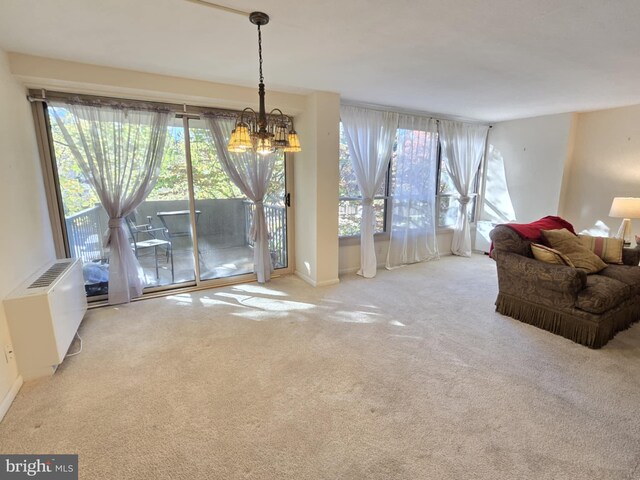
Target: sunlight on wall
599	229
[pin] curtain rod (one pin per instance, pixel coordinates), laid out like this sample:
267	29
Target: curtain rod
180	109
436	117
41	95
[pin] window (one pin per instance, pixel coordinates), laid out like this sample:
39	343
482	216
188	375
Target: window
350	206
350	202
194	226
448	205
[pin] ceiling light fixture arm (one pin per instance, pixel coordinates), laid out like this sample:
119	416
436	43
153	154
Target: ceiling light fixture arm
282	117
249	109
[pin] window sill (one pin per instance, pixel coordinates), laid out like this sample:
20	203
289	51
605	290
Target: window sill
472	226
355	239
382	236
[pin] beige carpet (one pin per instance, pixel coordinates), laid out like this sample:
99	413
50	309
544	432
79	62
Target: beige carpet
411	375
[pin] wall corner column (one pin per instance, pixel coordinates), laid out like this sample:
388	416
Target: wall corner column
316	176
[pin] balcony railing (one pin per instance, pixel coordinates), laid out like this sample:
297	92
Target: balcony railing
84	231
276	220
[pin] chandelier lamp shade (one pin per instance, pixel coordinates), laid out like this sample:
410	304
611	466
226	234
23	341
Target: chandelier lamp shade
257	131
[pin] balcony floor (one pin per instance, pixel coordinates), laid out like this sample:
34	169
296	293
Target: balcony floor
215	262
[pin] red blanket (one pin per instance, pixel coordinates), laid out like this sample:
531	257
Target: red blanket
531	231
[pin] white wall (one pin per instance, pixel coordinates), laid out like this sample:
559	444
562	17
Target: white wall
52	74
26	242
535	151
605	164
316	190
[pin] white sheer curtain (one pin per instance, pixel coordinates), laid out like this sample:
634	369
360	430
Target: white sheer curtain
370	135
120	152
413	220
496	202
463	146
251	173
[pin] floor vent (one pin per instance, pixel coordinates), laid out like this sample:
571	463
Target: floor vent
48	277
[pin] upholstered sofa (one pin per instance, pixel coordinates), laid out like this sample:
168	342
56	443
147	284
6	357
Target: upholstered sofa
588	309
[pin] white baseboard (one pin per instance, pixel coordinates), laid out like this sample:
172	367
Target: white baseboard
314	283
346	271
10	396
382	266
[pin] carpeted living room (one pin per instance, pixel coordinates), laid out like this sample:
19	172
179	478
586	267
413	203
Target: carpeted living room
281	240
288	381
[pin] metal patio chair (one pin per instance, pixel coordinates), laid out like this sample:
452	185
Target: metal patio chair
145	237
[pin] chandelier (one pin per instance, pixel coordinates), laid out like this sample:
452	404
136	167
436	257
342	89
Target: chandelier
257	131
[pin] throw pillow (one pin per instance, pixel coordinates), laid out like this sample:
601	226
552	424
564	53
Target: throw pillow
549	255
608	249
569	244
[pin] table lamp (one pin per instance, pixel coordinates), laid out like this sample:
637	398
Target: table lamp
625	208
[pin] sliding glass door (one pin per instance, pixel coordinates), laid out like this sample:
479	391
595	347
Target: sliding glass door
194	226
222	244
166	215
225	246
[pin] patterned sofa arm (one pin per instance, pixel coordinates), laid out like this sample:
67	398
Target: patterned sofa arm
528	277
631	256
506	239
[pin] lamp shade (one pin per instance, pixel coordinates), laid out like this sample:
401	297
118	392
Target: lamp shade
625	207
294	143
263	145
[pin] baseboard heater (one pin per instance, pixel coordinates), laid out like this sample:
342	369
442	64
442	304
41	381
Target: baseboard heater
44	314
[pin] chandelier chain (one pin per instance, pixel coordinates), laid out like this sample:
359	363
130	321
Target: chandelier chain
260	52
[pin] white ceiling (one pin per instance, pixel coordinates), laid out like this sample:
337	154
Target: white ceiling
483	59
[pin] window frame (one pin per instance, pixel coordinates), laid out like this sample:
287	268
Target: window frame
386	220
475	193
438	197
43	130
387	211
